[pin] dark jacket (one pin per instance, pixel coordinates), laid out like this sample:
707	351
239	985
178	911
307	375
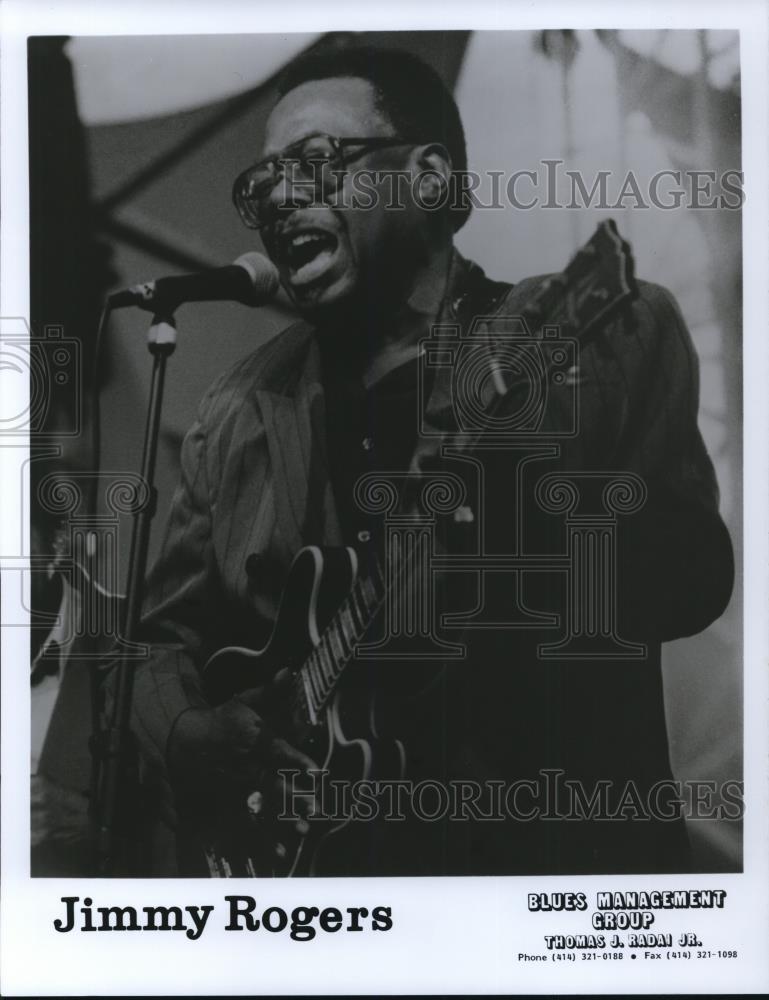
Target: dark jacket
255	485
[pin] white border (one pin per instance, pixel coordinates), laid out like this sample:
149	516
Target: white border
451	936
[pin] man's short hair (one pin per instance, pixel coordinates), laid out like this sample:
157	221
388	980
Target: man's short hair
412	96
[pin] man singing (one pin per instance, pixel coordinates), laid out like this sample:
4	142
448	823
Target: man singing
281	440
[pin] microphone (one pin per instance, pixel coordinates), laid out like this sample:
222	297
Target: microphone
252	279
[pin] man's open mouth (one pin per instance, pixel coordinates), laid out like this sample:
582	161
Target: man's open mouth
308	253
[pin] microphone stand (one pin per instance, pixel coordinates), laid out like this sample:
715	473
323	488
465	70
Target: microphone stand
115	749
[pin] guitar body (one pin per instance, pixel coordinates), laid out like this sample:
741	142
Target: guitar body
341	736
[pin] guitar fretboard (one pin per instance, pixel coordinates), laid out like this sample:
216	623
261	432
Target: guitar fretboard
322	670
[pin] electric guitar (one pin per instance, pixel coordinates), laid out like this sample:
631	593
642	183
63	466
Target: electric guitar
328	607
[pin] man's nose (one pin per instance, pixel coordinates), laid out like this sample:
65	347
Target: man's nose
291	191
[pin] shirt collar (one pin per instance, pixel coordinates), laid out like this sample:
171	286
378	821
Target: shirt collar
436	297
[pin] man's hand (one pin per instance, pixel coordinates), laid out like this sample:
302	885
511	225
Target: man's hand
231	744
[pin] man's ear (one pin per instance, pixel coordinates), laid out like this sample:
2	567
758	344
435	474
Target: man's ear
434	157
433	165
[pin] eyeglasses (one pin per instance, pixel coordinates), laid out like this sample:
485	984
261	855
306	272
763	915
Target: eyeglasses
320	160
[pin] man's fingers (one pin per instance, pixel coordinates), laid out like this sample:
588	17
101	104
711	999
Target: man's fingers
282	679
251	697
296	803
282	754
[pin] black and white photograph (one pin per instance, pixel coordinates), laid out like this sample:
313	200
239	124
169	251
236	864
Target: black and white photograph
382	495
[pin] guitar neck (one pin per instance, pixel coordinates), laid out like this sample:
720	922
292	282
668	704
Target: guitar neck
321	672
596	282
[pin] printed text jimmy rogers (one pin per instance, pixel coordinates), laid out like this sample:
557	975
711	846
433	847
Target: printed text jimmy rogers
243	914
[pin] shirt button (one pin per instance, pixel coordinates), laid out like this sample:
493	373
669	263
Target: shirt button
367	444
253	566
364	536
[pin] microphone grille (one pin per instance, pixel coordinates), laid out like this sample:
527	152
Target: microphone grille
263	274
